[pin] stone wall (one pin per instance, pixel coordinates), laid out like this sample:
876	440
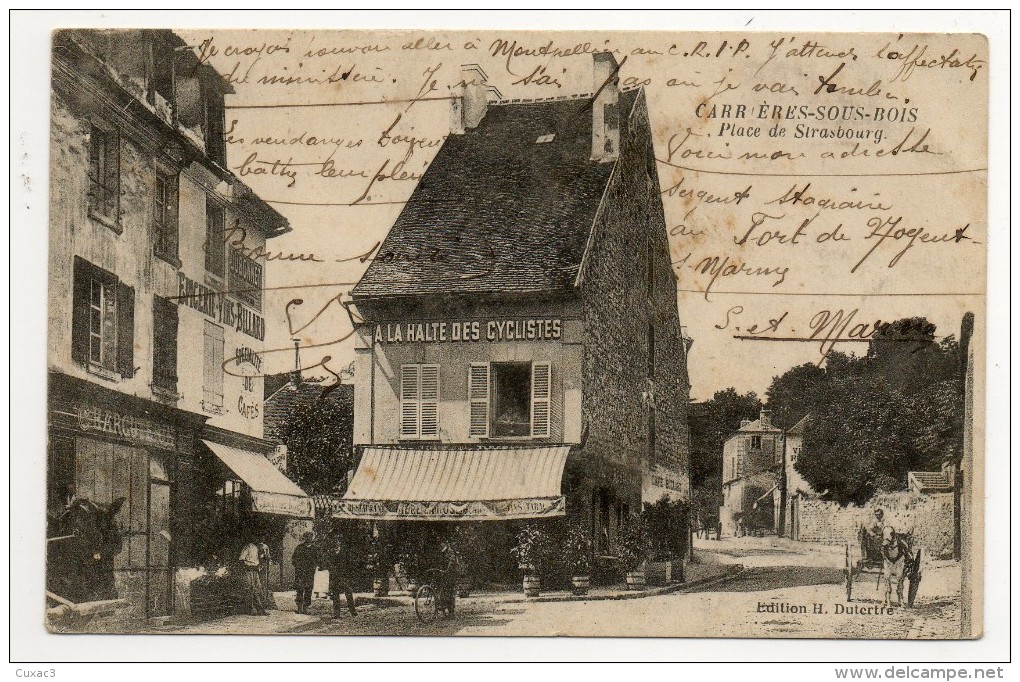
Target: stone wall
928	517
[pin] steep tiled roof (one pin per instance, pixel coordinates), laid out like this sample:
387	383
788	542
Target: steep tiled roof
798	428
756	427
497	211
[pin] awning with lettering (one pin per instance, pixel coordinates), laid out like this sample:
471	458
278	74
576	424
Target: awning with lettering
271	491
456	484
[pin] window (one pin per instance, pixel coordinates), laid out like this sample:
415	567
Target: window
509	399
212	368
164	217
419	401
104	175
611	113
164	345
246	279
215	244
102	322
230	497
215	139
795	453
756	442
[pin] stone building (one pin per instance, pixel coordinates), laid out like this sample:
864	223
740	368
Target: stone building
522	354
752	460
156	324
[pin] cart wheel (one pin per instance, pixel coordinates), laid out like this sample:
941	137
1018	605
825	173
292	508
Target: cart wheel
848	574
425	606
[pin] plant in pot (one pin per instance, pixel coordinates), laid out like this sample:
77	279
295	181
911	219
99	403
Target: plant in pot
633	548
530	553
577	556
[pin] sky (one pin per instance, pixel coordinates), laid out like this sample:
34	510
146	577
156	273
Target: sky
316	115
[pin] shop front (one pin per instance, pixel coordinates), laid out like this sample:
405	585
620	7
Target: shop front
179	503
109	448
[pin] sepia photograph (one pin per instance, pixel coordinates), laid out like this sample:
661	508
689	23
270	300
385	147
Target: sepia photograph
516	333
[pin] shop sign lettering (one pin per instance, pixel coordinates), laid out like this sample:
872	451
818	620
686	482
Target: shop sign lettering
534	329
216	306
137	429
531	508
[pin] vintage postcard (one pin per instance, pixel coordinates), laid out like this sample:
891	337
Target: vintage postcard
516	333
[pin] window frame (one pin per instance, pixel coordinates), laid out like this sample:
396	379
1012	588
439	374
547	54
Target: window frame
482	377
215	241
166	216
104	173
108	322
756	442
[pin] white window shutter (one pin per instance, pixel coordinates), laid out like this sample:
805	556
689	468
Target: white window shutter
541	399
478	397
429	401
410	384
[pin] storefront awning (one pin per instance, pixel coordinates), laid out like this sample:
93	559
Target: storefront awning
456	484
271	491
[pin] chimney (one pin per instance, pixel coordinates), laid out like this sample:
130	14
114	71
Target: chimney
766	419
471	101
605	109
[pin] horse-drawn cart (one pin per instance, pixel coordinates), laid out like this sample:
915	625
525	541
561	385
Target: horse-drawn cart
891	557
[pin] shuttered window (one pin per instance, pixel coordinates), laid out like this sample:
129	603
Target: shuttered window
102	321
212	368
541	399
164	344
419	401
164	216
104	174
478	397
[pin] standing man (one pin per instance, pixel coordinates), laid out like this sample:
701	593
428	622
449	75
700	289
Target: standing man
250	576
305	562
340	578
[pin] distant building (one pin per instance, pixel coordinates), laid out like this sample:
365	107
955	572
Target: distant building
752	460
521	322
156	329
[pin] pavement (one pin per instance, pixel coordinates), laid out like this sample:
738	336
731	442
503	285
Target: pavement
738	587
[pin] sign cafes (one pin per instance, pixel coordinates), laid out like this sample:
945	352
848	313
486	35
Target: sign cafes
215	305
548	329
409	510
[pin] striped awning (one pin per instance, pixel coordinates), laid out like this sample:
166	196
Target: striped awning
271	491
456	484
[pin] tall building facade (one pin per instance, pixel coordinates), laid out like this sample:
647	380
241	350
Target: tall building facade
156	325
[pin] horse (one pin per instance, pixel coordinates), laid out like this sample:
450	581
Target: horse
84	539
896	564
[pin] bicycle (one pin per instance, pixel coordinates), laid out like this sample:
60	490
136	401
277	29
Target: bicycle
435	598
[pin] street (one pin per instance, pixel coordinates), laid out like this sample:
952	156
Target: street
786	589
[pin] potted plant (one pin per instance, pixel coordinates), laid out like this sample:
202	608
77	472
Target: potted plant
530	550
577	555
633	547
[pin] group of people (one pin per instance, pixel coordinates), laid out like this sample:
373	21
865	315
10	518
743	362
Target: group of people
307	559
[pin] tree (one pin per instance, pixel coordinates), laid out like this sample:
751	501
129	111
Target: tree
319	441
795	393
897	409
